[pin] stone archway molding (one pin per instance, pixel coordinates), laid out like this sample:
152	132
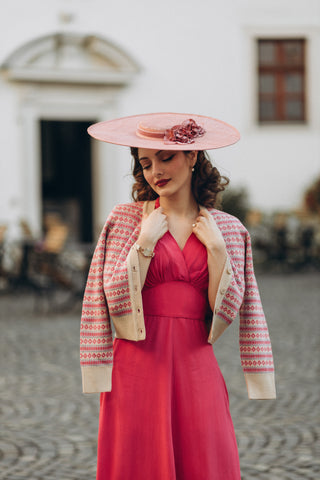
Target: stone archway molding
65	76
70	58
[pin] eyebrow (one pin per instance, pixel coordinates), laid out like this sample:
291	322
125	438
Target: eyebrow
146	158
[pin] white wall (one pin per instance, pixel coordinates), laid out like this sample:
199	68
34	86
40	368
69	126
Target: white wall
194	57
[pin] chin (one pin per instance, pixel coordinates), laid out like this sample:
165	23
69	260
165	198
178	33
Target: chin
162	192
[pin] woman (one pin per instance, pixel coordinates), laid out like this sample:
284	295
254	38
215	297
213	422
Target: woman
171	272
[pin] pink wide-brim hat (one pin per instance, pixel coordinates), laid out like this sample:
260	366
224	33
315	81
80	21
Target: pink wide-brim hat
166	131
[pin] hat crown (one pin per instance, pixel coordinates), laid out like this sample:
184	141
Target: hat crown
151	128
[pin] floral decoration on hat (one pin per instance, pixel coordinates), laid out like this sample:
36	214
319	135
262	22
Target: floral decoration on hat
184	133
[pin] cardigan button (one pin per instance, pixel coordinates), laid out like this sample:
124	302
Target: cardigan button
222	291
229	270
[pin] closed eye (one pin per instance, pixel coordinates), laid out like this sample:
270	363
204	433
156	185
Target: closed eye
169	158
146	166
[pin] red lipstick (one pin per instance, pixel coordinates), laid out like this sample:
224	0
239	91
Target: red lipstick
162	183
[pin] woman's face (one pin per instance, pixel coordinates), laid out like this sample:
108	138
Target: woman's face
167	172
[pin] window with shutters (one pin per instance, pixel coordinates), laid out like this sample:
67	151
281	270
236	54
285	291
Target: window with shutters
282	83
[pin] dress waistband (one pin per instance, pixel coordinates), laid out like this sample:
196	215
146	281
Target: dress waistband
178	299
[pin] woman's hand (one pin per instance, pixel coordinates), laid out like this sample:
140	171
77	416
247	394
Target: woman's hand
209	234
207	231
153	227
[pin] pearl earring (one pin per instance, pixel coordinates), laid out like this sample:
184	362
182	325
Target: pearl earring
192	170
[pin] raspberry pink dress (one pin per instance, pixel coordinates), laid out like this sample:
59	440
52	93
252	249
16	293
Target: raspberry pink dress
167	416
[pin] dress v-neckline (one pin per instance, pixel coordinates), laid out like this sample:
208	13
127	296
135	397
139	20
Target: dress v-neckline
177	244
157	205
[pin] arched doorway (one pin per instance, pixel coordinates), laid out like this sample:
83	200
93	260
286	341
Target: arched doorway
64	83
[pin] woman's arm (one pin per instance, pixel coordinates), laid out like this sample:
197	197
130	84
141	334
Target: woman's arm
209	234
96	357
216	261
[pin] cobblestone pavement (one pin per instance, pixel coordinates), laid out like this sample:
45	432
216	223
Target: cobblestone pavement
49	428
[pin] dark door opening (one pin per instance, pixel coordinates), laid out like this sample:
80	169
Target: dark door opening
67	175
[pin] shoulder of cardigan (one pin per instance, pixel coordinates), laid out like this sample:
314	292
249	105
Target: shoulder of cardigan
124	208
221	217
145	207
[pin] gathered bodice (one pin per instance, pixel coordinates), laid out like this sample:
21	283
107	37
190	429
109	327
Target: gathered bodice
177	280
170	263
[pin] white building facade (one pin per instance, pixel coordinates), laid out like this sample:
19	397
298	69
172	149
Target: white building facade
66	64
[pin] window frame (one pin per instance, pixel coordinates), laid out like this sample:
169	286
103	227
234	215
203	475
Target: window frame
278	69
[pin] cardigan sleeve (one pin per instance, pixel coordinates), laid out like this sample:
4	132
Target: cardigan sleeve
96	346
255	346
238	294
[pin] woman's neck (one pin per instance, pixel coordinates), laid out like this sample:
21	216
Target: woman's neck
182	206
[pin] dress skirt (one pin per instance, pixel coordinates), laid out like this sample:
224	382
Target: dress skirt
167	416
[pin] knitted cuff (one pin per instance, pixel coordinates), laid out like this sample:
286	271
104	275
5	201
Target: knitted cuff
260	385
96	379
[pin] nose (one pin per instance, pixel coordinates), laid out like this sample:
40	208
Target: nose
157	169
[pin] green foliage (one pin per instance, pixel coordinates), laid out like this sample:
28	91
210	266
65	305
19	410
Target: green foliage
235	201
312	197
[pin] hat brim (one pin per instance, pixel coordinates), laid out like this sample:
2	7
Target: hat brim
123	131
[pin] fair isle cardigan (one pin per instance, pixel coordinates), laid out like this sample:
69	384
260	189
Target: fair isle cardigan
113	293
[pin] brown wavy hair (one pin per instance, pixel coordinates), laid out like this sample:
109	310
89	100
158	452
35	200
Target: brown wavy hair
206	183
